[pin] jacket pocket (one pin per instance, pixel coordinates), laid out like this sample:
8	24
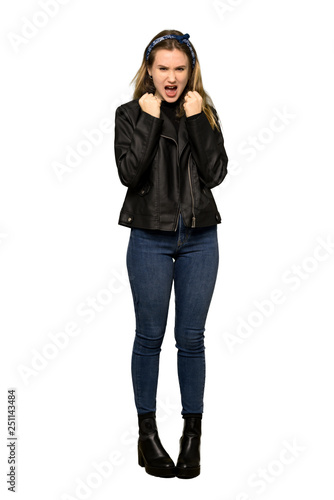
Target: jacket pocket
208	194
144	189
201	195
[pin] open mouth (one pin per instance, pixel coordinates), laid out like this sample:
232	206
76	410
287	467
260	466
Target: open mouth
171	90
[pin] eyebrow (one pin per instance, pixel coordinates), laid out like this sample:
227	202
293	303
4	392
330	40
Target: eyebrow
164	66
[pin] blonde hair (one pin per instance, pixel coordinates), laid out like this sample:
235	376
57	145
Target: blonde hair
143	83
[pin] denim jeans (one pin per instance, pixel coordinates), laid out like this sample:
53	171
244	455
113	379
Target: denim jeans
155	259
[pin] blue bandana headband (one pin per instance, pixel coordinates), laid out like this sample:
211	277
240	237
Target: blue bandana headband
179	38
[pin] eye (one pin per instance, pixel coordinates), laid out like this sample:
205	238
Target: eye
162	69
180	69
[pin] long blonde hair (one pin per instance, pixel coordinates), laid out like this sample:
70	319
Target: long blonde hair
143	83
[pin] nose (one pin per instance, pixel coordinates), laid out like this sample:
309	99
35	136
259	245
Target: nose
171	77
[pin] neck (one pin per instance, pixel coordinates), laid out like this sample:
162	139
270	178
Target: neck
171	104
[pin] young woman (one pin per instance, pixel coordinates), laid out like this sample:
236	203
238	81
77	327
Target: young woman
169	153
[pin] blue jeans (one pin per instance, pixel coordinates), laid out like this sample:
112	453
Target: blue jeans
189	257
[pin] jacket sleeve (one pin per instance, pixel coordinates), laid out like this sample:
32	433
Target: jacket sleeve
207	148
135	145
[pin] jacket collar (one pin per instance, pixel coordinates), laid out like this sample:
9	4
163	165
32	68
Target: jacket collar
169	131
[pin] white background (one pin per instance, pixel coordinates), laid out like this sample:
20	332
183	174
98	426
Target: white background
269	384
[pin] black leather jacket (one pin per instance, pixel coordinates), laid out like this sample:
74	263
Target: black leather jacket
167	173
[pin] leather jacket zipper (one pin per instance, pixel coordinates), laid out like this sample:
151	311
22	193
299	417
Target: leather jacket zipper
193	220
178	169
177	219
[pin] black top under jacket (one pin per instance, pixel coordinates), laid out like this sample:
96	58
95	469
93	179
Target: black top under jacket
169	166
170	108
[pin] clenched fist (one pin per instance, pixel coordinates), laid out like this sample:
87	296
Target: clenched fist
193	103
150	104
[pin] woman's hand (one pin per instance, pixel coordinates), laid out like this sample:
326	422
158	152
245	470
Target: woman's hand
150	104
193	103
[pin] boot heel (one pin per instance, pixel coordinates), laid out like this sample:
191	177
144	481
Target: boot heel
140	459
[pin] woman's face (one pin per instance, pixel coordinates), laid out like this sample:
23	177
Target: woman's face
170	71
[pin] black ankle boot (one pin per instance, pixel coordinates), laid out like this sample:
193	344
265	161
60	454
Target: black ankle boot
151	453
188	463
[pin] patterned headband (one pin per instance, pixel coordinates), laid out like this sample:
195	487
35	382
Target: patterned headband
179	38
